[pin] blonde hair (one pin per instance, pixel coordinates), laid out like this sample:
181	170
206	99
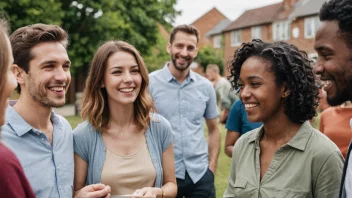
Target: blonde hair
95	107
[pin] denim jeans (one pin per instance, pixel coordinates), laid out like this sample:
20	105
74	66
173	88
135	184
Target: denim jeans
204	188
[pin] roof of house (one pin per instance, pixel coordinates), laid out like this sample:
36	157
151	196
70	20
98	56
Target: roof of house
255	17
214	9
218	28
307	7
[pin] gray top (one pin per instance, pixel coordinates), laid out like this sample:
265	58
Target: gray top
348	180
224	94
49	169
309	165
185	106
346	184
89	145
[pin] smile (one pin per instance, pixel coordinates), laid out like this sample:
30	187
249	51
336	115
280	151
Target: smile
326	82
248	106
57	88
126	90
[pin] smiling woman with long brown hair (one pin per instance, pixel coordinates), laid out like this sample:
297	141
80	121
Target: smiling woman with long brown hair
123	143
13	182
286	157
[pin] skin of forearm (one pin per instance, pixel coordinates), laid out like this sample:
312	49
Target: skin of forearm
170	190
214	148
228	151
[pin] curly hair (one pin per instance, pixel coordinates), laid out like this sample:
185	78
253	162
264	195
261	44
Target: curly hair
290	66
341	11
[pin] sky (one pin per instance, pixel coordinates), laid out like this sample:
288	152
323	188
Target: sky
191	10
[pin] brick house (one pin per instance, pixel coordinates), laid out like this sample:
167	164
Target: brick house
207	22
215	35
293	21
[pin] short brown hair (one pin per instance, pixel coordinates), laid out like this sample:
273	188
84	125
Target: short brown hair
189	29
214	67
25	38
95	107
4	53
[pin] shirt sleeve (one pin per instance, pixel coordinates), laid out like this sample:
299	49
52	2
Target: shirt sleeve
167	133
211	110
230	190
81	141
329	177
233	122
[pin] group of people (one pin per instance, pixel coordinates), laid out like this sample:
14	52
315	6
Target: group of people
143	134
123	147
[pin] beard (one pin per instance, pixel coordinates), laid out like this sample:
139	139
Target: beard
341	96
181	67
40	94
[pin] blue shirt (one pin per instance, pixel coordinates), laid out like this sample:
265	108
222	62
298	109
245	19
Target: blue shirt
89	146
237	119
185	106
49	169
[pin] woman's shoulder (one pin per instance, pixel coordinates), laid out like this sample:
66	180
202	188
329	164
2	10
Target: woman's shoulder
321	145
159	125
84	129
157	120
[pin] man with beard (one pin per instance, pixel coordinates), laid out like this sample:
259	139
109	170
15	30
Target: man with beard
333	42
41	139
185	99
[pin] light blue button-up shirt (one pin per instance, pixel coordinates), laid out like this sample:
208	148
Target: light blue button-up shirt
49	169
185	106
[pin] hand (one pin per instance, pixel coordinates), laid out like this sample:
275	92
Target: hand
147	192
212	169
94	191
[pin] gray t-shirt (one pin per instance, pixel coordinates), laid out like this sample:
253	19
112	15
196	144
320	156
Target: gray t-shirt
348	177
224	94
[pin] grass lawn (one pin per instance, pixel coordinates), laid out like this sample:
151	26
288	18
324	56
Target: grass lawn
224	162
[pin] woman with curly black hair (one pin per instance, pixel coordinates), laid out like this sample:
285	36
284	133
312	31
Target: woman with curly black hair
286	157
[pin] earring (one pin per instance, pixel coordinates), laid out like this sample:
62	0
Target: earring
284	95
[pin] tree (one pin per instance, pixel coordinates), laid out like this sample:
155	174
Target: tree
90	23
24	12
159	55
208	55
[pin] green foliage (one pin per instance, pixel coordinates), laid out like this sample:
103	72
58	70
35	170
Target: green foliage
23	12
159	55
90	23
208	55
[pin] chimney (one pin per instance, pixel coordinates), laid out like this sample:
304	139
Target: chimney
288	4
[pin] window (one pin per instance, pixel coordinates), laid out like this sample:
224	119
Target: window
313	57
257	32
281	31
310	26
236	38
217	41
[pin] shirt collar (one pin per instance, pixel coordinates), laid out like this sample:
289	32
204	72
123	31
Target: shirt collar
20	126
299	141
168	75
